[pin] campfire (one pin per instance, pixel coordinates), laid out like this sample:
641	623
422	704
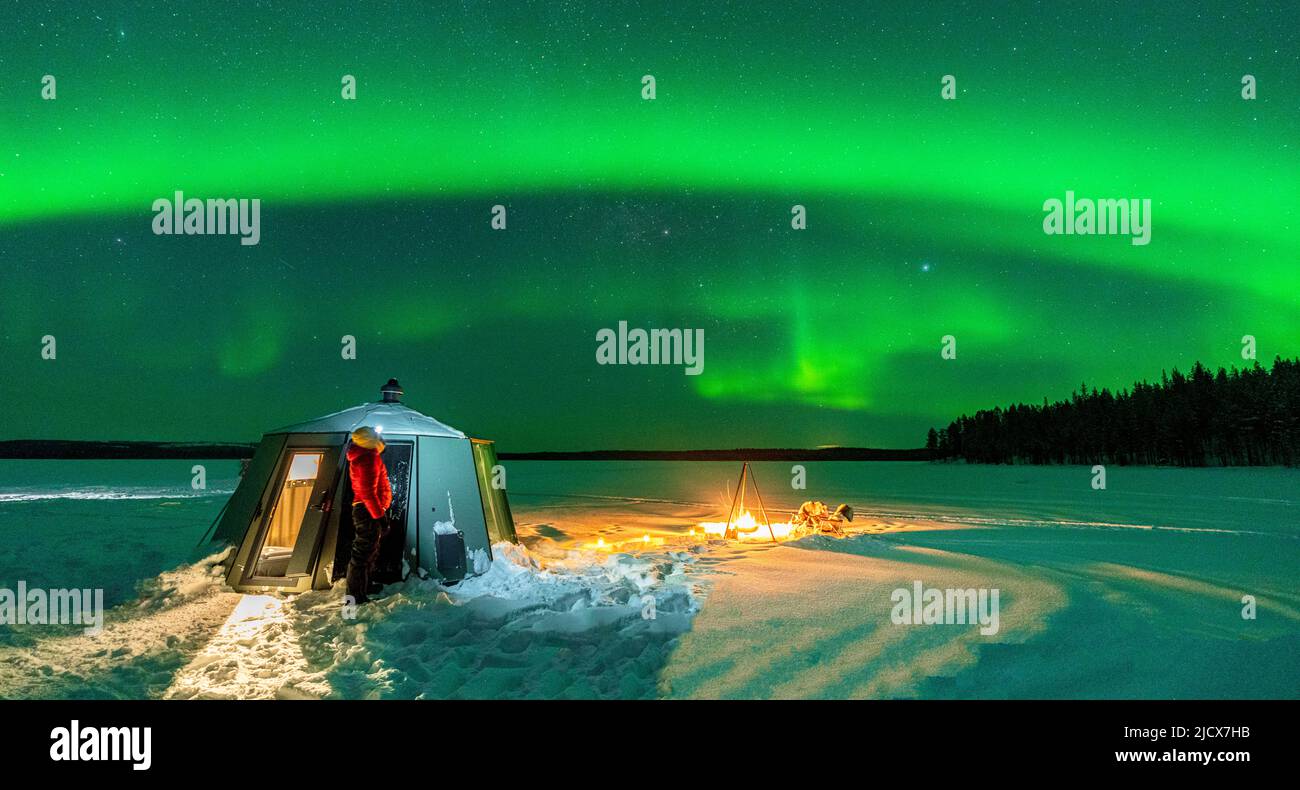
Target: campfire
746	527
812	518
740	523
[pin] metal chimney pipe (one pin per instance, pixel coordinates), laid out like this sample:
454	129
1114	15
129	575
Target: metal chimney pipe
392	392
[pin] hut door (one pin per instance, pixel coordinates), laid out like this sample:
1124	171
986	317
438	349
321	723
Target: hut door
306	547
301	496
397	460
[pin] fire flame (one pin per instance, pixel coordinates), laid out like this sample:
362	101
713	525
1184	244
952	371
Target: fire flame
748	528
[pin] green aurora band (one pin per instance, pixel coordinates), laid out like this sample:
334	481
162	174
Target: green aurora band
925	216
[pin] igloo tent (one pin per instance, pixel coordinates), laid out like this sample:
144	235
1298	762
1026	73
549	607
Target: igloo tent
290	518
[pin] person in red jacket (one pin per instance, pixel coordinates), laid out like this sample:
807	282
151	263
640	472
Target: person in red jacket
371	496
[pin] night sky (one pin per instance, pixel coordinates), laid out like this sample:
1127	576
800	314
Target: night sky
924	215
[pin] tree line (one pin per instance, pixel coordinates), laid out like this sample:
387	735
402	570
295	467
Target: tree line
1248	417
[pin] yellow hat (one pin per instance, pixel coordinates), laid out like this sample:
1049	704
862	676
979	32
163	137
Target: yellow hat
369	438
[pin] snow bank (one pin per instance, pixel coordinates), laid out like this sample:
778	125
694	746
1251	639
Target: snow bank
583	579
144	641
581	625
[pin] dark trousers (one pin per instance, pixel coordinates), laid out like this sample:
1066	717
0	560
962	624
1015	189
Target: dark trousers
365	552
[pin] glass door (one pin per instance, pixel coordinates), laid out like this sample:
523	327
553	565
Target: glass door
303	497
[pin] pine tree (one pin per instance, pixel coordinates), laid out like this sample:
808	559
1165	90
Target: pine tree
1237	417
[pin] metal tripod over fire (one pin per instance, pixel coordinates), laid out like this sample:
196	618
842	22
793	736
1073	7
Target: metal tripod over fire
733	529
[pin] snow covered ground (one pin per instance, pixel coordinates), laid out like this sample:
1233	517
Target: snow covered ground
1135	591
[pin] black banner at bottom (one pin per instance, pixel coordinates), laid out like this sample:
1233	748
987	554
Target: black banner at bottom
300	740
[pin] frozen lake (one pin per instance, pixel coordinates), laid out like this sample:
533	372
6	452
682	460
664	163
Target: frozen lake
1134	591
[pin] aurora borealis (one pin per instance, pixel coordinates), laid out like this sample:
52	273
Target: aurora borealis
924	215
